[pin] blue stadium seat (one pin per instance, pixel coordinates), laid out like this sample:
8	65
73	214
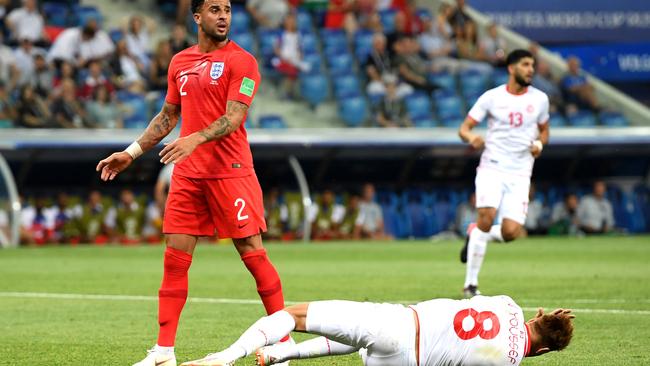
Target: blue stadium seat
582	119
445	80
613	119
314	88
116	34
362	45
84	13
308	43
473	82
339	64
137	110
557	120
315	62
346	86
334	41
448	106
272	122
420	219
56	14
240	21
418	107
424	13
268	38
388	20
500	77
303	21
245	41
470	100
353	110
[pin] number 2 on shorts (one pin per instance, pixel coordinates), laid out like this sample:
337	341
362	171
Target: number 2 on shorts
240	217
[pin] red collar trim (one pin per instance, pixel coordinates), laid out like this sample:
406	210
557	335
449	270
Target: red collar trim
527	347
515	94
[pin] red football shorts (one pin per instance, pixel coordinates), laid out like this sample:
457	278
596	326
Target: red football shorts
233	207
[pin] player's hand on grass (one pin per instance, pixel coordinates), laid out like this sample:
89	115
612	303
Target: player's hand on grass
179	149
477	142
110	167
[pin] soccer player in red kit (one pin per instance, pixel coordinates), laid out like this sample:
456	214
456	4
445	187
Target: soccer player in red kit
214	186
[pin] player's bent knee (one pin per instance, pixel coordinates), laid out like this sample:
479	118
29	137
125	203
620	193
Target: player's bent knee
511	233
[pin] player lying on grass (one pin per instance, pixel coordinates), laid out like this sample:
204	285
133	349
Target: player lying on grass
479	331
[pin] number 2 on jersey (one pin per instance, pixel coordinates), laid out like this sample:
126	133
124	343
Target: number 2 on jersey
479	319
516	119
243	204
184	79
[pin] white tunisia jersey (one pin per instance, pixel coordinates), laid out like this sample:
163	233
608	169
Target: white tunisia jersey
512	127
483	330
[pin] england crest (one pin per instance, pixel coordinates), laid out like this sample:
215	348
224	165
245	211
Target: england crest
216	70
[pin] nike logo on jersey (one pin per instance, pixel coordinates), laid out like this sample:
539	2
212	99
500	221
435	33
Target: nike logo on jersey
240	226
197	66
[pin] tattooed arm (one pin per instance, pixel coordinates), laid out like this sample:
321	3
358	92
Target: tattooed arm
159	127
180	149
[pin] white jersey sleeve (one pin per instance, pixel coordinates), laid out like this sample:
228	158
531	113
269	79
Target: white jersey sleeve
480	109
479	331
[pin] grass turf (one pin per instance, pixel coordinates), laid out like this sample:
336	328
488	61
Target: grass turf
604	279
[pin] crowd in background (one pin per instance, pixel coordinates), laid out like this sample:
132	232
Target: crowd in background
53	77
355	215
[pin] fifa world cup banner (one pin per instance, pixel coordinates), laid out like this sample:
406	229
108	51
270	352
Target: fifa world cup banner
612	61
562	21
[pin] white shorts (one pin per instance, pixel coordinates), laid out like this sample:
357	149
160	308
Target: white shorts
384	333
506	192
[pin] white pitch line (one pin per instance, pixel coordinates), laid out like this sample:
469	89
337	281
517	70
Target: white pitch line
208	300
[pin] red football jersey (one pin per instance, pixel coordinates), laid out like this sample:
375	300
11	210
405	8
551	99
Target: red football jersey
202	83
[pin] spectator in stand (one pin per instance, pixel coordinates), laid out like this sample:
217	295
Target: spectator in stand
409	20
469	50
391	111
326	217
379	64
578	92
65	218
7	110
27	22
276	215
349	222
494	46
32	111
9	71
79	44
67	110
458	16
537	216
128	71
372	23
411	66
544	80
43	76
161	188
36	227
138	40
564	218
595	213
67	70
95	78
4	6
435	41
288	60
92	222
178	39
340	15
24	55
465	215
102	113
159	65
127	219
268	13
370	221
152	230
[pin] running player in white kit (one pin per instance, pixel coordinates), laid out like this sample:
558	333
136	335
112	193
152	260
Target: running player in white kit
478	331
517	118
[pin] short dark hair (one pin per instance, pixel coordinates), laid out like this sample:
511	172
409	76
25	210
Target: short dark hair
556	331
516	55
196	5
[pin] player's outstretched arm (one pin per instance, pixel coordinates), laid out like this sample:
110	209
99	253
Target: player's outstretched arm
181	148
159	127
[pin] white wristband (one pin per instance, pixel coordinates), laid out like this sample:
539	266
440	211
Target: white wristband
539	145
134	150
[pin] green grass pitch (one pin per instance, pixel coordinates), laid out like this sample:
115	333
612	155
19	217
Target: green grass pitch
606	280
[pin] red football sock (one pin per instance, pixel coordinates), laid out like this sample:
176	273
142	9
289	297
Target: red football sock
172	294
267	279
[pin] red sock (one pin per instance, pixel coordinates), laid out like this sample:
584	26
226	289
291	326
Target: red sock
172	294
267	279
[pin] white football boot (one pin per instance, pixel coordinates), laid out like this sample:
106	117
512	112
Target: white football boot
271	355
155	358
212	359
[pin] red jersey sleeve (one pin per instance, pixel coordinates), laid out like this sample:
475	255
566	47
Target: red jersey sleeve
244	78
173	97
